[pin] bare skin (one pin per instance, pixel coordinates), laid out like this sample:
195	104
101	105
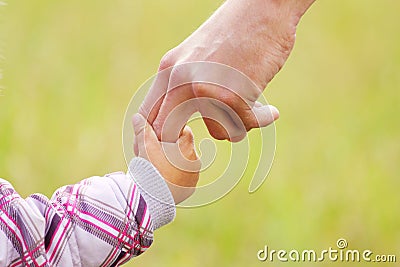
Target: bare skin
253	36
181	180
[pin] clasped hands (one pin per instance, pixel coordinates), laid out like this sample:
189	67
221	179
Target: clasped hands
225	98
219	71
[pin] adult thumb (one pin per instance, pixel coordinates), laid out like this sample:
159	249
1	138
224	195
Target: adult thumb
264	115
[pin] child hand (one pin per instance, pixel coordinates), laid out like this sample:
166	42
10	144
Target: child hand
177	162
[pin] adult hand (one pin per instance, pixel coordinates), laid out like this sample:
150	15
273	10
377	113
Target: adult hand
254	37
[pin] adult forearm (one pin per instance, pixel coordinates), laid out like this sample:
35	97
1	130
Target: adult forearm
293	7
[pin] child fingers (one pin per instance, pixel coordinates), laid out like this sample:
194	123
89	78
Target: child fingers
139	123
144	135
136	148
186	144
186	135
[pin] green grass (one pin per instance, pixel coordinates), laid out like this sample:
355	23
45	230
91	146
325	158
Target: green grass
71	68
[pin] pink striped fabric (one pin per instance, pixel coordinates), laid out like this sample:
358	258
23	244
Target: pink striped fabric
101	221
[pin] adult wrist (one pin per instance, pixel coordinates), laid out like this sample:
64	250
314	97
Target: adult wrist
276	13
295	8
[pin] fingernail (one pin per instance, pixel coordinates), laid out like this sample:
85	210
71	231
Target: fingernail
274	112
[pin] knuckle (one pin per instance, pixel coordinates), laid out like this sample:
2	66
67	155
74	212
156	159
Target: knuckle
201	90
144	110
250	122
176	76
285	43
167	60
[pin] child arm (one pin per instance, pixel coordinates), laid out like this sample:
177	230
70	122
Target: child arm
101	221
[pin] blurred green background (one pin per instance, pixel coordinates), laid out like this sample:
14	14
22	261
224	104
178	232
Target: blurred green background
71	68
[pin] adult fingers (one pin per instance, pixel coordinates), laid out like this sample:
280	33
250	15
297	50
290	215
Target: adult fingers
152	102
226	114
221	120
177	107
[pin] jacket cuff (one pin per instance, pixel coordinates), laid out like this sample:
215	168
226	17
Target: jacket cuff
154	190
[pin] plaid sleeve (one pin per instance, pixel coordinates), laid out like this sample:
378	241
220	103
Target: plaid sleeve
101	221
